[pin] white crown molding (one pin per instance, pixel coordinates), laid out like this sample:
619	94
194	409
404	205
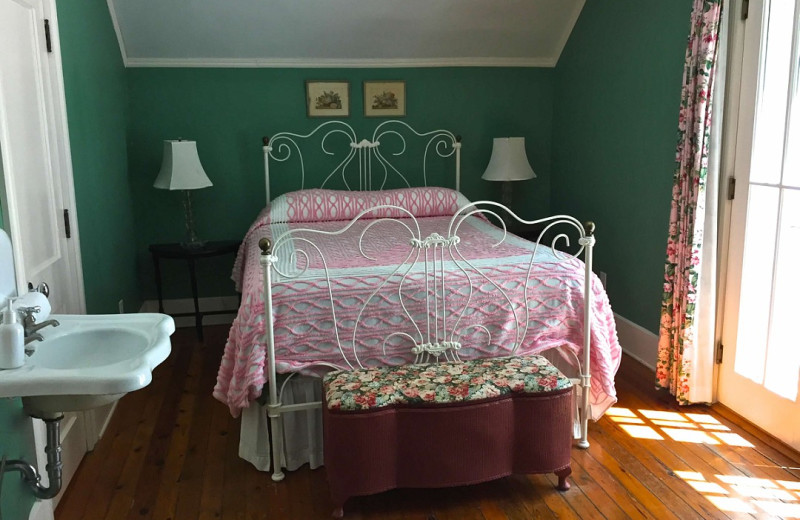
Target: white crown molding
573	19
117	30
309	63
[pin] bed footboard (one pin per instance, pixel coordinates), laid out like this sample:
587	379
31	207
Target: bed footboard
438	338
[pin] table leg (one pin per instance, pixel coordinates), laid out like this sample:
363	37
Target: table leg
198	316
158	283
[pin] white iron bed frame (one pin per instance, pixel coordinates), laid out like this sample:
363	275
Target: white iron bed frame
435	339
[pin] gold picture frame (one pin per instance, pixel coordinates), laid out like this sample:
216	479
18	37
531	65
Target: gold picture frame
385	98
325	98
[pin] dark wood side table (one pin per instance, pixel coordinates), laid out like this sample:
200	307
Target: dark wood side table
179	252
530	232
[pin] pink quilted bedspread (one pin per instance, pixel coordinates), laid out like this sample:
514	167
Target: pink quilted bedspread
490	305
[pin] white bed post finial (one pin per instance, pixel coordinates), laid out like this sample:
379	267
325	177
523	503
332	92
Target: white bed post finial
457	146
267	150
588	242
274	405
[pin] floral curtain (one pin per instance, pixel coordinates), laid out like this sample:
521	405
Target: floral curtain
685	348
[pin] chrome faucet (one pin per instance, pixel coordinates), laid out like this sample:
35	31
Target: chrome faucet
28	315
39	326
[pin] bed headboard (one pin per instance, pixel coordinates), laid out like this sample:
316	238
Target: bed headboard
364	164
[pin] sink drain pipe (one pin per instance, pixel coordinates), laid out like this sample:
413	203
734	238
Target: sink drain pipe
53	451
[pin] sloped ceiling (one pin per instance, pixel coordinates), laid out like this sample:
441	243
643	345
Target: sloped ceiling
343	33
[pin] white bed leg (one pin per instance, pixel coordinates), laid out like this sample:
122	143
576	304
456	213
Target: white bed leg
276	425
586	379
584	411
274	406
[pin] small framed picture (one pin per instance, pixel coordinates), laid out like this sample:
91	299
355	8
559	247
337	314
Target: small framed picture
384	98
328	98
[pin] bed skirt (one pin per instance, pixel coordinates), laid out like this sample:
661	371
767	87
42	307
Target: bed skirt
302	430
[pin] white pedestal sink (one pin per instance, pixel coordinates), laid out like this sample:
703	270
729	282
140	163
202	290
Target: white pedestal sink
88	361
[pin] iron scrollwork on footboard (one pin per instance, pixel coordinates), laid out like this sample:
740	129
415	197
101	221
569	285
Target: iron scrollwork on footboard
434	287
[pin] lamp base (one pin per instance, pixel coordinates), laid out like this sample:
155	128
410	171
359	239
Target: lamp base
508	220
191	242
193	245
508	190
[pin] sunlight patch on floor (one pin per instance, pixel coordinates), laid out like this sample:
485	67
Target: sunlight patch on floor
732	505
733	439
750	495
620	412
628	420
684	435
664	416
641	432
698	428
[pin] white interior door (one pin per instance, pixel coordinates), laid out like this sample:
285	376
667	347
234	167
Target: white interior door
760	373
37	181
34	197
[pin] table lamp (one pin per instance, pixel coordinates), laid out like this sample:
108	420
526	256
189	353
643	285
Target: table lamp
181	170
508	163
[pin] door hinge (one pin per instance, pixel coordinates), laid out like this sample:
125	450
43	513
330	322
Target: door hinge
47	40
67	229
745	9
720	349
731	188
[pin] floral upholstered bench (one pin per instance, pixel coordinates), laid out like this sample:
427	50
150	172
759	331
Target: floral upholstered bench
445	424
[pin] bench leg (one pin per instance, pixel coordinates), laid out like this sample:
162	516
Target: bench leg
562	475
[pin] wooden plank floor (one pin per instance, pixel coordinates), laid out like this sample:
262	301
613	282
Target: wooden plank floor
170	452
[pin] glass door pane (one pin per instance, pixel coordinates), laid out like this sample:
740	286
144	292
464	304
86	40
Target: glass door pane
783	350
774	80
756	292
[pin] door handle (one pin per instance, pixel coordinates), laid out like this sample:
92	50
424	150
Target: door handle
42	288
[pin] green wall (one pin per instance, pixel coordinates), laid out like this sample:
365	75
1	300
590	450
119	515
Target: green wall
617	87
227	111
97	110
16	442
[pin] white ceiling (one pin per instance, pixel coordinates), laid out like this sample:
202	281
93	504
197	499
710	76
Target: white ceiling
343	33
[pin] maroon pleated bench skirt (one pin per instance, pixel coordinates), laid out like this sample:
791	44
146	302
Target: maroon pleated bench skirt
447	424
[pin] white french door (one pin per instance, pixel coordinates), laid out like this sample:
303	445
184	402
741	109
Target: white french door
760	374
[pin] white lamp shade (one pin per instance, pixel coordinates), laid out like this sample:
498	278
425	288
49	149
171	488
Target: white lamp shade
181	168
509	161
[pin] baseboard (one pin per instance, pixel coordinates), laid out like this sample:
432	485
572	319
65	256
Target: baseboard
42	510
638	342
216	303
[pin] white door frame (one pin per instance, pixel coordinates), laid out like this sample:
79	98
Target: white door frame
728	158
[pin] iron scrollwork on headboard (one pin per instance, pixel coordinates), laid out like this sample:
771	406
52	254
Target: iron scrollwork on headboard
353	163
